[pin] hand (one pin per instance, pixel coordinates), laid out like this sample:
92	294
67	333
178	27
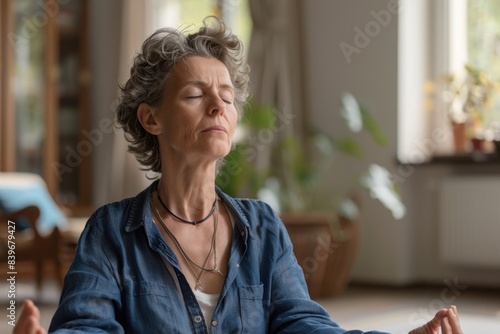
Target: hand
29	320
446	320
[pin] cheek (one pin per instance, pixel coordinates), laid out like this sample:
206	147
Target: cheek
180	131
233	123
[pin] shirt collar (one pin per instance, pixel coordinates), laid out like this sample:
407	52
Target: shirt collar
139	210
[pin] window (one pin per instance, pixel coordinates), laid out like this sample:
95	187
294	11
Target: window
184	13
437	38
483	46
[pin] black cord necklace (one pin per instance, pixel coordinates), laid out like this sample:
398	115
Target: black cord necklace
194	222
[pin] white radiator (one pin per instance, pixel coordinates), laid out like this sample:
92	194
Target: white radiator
470	221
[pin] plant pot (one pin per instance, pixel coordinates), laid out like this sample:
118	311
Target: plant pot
478	144
459	137
345	244
325	255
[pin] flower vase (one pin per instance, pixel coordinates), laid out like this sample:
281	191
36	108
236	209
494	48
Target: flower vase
459	137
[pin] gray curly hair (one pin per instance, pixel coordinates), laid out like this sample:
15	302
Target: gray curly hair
151	69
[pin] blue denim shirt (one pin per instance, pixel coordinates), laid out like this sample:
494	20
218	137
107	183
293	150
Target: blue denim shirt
118	282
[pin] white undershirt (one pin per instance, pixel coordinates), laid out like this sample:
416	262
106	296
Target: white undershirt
207	302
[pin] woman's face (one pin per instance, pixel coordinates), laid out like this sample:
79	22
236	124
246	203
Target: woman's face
197	114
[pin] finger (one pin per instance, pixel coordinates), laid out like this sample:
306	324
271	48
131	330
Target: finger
22	321
453	320
419	330
40	330
435	323
33	326
433	326
445	326
29	319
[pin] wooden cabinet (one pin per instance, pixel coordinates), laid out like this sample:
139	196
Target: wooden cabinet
44	94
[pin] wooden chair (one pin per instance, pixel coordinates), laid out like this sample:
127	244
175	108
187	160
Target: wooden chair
31	247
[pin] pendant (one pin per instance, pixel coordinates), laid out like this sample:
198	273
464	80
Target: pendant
217	270
198	286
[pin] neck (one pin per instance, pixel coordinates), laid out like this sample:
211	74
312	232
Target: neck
188	192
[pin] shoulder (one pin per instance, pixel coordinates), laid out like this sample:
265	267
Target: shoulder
249	210
258	217
114	211
127	214
107	222
256	208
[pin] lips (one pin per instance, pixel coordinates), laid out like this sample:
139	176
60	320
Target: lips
215	128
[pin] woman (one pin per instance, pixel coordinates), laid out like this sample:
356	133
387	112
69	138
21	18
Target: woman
183	257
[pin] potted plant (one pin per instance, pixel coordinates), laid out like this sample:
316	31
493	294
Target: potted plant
294	176
468	99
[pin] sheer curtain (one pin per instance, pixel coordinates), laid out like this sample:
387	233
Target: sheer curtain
125	177
275	55
276	63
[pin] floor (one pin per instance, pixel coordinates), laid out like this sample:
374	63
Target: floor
395	310
398	310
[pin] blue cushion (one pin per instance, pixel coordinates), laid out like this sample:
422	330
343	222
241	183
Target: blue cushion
19	190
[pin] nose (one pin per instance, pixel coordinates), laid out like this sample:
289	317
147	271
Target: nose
217	106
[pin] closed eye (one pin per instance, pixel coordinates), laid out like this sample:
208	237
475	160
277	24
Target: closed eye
227	98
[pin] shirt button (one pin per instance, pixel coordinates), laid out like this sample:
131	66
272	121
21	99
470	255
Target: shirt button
214	323
197	319
237	265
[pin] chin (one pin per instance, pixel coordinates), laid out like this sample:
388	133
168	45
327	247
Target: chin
219	150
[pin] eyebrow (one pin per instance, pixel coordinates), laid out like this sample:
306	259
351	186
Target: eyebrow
204	84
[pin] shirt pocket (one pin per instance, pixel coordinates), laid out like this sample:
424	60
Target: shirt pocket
144	288
252	311
151	306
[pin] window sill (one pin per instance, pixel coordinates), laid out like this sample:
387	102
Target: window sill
474	158
475	161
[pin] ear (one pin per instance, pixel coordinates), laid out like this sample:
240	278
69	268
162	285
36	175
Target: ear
147	117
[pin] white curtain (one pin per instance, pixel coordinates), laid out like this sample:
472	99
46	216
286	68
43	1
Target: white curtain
126	178
275	58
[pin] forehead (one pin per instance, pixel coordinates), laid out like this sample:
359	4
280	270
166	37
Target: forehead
200	69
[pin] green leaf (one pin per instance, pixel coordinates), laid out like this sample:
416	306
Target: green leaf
258	116
350	147
371	125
